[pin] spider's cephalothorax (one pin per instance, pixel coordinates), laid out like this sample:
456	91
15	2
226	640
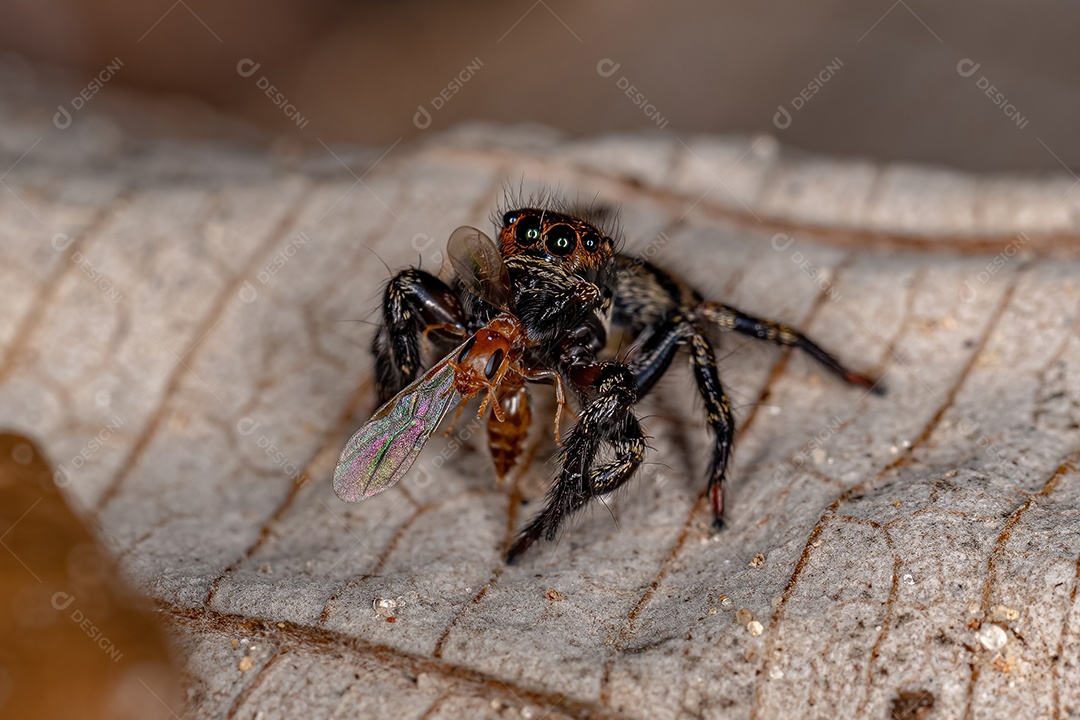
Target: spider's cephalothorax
576	245
536	307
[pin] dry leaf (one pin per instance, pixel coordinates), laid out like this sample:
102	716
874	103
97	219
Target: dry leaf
183	329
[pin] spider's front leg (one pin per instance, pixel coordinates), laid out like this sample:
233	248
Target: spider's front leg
608	419
414	303
666	313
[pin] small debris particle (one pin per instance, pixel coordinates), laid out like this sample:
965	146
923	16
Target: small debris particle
817	543
713	611
819	456
554	595
744	616
725	601
893	449
758	560
1001	613
775	673
1001	664
755	628
391	619
991	636
281	625
912	705
235	643
246	663
974	623
265	569
897	503
907	579
777	600
384	607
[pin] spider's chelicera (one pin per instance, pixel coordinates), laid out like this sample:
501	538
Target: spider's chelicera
536	305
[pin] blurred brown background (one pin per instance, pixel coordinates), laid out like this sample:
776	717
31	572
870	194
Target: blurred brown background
988	86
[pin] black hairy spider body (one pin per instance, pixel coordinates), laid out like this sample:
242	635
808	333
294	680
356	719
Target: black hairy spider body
568	286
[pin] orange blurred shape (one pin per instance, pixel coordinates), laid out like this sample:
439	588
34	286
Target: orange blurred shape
75	641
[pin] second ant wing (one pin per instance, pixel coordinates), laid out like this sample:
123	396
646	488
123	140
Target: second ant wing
479	265
383	450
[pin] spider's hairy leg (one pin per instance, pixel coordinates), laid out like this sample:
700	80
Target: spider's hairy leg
651	361
608	419
732	319
718	413
413	302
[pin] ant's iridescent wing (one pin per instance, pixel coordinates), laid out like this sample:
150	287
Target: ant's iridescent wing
479	265
383	450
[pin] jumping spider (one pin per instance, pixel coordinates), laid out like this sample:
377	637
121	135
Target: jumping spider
536	306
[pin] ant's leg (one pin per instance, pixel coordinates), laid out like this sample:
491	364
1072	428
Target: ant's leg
413	302
561	406
608	419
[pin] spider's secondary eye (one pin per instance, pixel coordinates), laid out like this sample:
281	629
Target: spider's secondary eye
465	350
510	218
561	240
527	231
590	241
494	362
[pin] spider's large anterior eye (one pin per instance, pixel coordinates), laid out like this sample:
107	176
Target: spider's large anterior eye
527	231
561	240
590	241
